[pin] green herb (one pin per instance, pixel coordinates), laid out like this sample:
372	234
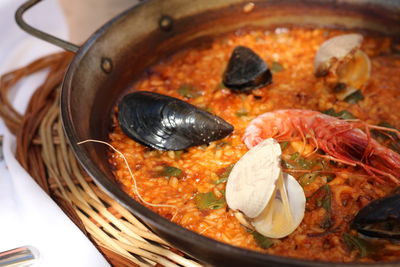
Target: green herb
305	164
294	156
321	163
170	171
322	198
224	173
220	181
208	109
354	242
221	86
242	112
346	115
276	67
262	241
287	165
330	112
343	114
307	179
284	145
329	177
354	97
178	154
209	201
188	91
325	201
386	135
223	193
297	161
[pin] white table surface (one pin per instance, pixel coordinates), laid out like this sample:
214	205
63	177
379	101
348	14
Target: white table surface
28	215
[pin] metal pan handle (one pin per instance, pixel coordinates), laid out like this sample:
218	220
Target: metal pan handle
40	34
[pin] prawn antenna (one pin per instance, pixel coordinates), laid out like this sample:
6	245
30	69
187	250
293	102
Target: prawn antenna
130	173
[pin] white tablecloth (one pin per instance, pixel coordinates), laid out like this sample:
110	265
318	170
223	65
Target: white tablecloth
28	215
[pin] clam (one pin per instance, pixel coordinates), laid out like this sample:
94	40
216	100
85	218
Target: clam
274	221
380	218
167	123
345	65
246	71
272	201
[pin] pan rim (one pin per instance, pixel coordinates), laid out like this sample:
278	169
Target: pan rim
145	214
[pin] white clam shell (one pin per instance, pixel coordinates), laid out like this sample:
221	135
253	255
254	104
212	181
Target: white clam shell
252	180
336	48
355	73
272	222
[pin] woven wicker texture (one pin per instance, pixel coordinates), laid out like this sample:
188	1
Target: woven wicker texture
43	151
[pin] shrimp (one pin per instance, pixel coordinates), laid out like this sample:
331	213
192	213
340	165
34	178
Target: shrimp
341	140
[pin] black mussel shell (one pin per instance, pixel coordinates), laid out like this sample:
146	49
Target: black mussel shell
380	218
167	123
246	71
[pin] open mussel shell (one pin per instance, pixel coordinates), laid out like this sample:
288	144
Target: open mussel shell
380	218
167	123
246	71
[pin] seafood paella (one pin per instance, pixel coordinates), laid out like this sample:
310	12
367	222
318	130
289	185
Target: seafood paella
282	141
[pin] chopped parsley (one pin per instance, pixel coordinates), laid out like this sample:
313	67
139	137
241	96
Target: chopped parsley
355	97
170	171
276	67
189	91
209	201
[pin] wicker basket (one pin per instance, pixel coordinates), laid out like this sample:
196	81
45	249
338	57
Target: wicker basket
43	151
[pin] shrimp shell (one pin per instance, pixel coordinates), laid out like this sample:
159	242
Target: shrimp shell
342	140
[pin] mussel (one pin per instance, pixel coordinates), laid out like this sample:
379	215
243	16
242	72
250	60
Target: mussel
380	218
246	71
167	123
